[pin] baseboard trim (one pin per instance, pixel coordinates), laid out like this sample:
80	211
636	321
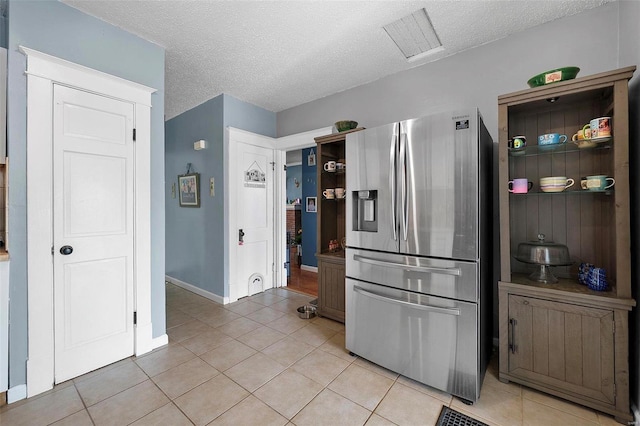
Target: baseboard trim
636	414
16	393
309	268
159	341
197	290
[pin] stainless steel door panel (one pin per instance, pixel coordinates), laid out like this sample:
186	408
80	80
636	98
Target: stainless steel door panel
441	209
428	339
369	164
438	277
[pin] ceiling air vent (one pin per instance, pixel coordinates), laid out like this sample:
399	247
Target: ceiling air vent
414	35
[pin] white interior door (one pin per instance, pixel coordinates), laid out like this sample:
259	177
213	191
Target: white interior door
93	214
254	254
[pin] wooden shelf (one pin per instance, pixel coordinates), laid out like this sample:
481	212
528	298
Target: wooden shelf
569	147
580	192
571	285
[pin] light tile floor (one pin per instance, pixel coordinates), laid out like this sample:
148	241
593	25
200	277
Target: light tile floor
255	362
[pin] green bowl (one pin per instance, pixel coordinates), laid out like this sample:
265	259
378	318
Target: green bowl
553	76
346	125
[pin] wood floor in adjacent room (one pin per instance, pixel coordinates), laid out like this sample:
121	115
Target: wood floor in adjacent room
303	281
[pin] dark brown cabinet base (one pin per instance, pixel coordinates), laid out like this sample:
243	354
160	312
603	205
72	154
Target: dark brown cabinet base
331	286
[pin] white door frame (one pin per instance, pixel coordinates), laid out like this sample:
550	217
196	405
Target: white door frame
43	71
284	144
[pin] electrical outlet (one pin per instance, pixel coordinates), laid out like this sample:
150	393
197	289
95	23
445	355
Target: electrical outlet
212	187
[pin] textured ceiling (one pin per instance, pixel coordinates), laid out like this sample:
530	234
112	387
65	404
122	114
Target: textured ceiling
280	54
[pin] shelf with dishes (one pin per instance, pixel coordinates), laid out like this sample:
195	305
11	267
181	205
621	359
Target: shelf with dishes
334	167
335	172
334	194
555	185
576	192
574	146
568	285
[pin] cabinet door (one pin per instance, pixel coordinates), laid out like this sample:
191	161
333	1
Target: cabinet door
331	290
562	346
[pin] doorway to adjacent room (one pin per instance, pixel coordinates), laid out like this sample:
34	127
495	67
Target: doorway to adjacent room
301	277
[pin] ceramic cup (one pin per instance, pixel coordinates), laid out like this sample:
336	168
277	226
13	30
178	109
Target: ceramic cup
552	139
339	192
555	183
517	142
583	183
584	133
329	193
340	166
330	166
597	279
520	186
599	183
600	127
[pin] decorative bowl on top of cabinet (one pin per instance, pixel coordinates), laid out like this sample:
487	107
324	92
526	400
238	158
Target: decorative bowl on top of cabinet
331	174
564	338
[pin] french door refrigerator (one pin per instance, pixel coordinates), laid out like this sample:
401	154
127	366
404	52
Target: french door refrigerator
418	258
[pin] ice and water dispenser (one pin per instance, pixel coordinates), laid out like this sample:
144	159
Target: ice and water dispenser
365	213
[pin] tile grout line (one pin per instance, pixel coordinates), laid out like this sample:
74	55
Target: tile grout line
171	401
252	393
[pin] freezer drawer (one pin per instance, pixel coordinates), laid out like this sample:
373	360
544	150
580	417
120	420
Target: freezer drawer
438	277
428	339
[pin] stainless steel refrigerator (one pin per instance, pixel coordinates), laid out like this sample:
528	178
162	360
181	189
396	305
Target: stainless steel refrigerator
418	258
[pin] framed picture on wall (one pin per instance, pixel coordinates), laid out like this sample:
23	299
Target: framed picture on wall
311	204
189	186
311	158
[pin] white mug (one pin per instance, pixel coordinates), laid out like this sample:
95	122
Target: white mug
339	192
328	193
330	166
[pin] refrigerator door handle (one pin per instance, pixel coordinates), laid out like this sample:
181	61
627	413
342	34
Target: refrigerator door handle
403	180
438	309
445	271
392	180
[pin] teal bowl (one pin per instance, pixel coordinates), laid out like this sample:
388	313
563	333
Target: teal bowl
553	76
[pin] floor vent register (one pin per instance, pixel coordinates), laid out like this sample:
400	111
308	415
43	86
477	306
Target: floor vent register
449	417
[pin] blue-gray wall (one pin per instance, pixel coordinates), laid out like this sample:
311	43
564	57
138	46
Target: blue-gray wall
57	29
309	220
197	251
192	254
245	116
294	173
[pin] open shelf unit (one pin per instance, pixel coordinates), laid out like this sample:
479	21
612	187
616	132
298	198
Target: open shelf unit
564	338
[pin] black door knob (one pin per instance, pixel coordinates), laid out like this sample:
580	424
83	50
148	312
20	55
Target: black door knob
66	250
